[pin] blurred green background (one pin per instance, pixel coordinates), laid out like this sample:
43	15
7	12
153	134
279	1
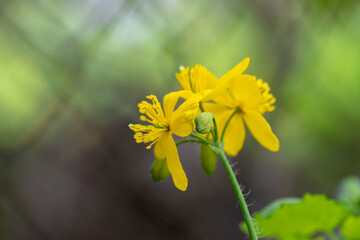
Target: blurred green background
72	73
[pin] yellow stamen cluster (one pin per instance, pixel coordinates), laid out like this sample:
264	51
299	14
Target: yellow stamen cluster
194	79
146	133
152	111
198	78
155	116
267	99
184	76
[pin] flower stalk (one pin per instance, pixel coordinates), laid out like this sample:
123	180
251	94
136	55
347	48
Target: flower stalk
218	148
239	195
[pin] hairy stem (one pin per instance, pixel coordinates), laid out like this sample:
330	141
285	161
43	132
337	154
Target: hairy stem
239	195
218	149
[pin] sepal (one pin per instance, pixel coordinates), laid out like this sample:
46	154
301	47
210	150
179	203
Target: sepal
159	170
208	159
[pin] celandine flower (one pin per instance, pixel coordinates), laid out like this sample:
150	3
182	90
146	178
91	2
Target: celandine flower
248	99
163	124
198	78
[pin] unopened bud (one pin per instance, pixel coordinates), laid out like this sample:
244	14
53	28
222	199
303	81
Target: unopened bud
203	122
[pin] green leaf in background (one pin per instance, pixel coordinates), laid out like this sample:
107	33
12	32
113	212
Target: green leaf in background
351	228
315	213
275	205
349	194
208	159
159	170
271	208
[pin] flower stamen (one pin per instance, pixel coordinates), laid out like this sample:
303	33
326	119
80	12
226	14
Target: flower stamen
267	99
153	115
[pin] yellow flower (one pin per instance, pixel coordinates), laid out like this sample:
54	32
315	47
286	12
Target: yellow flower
249	98
163	124
198	78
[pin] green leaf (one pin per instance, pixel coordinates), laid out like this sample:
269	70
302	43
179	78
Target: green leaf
159	170
275	205
270	209
208	159
351	228
349	194
315	213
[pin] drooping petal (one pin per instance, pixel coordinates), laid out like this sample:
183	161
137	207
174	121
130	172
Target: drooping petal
234	135
170	100
245	91
261	130
182	120
159	151
167	145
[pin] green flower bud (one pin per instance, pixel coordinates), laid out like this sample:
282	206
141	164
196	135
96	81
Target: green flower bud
203	122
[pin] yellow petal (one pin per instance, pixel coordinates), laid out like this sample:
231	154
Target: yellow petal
159	152
170	100
168	146
261	130
223	98
245	91
235	132
238	69
182	120
214	108
223	83
234	135
201	78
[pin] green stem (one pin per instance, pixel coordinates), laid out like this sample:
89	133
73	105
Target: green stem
218	149
239	195
201	139
201	107
227	123
215	132
187	140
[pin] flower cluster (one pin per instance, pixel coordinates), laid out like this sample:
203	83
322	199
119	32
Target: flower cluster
235	100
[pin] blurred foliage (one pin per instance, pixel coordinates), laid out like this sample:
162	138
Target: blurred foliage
351	228
349	194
